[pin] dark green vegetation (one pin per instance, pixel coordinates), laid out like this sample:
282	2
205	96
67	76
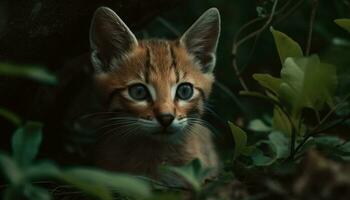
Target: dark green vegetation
285	93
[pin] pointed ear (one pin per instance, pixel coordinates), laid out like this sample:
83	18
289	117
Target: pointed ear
201	39
110	39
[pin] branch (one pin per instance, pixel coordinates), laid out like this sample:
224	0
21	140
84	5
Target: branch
315	132
246	38
311	26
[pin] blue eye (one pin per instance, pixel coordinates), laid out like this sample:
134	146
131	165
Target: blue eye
184	91
138	92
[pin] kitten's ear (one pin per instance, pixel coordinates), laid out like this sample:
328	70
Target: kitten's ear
110	39
201	39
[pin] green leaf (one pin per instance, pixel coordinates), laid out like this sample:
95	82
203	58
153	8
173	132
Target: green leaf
307	83
10	116
328	141
36	193
286	47
100	183
42	170
345	147
31	72
90	188
280	121
248	150
166	196
344	23
26	142
280	144
10	170
258	126
240	139
259	159
269	82
193	173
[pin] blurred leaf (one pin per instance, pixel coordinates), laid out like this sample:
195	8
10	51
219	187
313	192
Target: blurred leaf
267	152
334	146
166	196
258	126
99	183
259	159
36	193
248	150
344	151
328	141
286	47
240	138
307	83
193	173
30	72
344	23
269	82
280	143
42	170
345	147
10	116
280	121
10	169
261	11
93	189
26	142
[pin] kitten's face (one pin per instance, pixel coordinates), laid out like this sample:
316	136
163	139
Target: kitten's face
159	85
156	87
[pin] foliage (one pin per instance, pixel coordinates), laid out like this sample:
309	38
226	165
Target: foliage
305	83
305	107
193	173
35	73
344	23
22	172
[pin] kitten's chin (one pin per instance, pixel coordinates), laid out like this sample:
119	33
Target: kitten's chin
167	135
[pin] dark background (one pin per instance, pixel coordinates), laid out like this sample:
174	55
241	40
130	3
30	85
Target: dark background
51	33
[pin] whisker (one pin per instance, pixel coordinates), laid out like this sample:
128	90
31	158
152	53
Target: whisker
131	131
193	121
115	122
96	114
118	127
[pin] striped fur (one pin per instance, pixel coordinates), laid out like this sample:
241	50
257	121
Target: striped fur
137	142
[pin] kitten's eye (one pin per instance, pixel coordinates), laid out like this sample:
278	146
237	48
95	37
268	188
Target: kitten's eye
138	92
184	91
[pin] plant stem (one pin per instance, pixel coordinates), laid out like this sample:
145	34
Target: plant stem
318	116
246	38
289	12
292	143
324	119
315	132
311	26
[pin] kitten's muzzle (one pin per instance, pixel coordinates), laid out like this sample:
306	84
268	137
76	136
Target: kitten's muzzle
165	119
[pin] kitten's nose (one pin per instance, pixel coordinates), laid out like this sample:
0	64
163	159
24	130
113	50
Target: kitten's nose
165	119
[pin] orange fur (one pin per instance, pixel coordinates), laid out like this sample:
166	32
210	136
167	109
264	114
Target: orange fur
139	142
142	154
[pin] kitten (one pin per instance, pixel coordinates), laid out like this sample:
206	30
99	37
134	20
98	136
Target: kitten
155	90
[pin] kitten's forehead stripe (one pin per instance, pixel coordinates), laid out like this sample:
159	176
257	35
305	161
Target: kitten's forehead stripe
148	65
173	57
174	63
